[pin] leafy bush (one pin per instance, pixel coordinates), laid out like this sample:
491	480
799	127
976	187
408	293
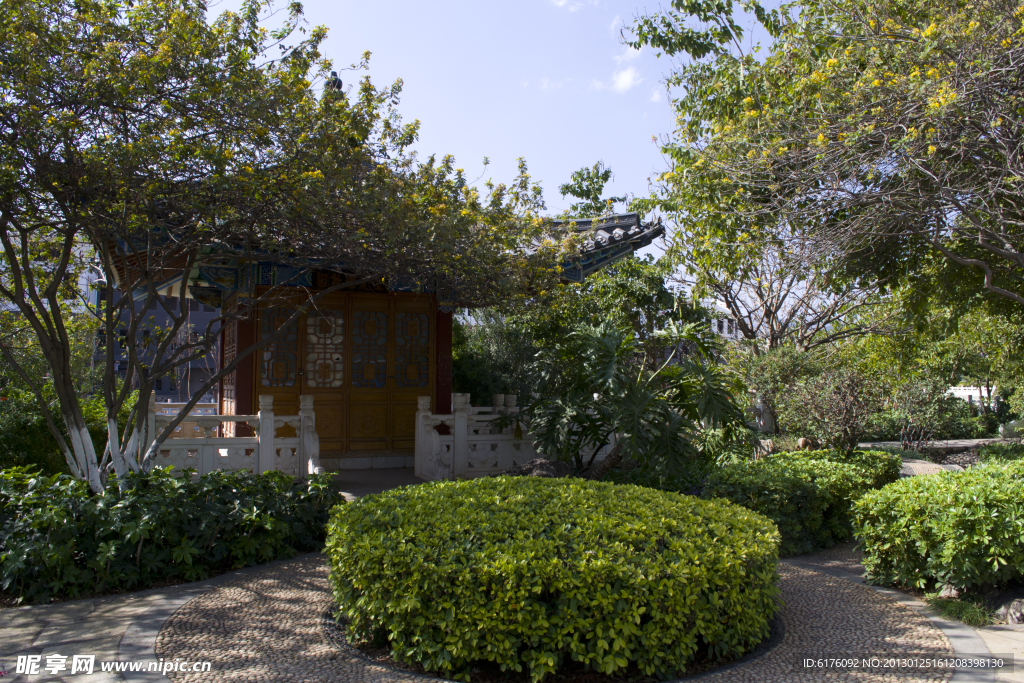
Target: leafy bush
883	466
530	572
58	540
807	494
956	528
1001	452
833	407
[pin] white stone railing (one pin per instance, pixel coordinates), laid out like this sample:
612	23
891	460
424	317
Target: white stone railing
187	428
473	447
204	451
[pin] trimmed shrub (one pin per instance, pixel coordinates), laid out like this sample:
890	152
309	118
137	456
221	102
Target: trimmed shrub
956	528
883	466
808	494
58	540
531	572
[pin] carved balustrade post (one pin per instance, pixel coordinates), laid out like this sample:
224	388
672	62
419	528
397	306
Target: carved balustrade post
266	452
460	436
424	441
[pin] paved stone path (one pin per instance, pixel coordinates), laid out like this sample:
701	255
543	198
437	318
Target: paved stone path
913	467
280	610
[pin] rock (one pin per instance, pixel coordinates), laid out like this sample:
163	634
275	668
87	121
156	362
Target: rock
1011	612
806	444
950	592
765	447
540	468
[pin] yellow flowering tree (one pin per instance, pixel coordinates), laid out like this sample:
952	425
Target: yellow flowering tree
875	135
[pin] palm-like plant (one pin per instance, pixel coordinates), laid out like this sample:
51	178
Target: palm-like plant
595	385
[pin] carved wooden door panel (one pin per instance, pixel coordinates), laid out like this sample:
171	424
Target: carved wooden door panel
278	363
368	423
364	357
412	373
324	372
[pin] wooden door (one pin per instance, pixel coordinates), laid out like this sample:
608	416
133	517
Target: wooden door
364	358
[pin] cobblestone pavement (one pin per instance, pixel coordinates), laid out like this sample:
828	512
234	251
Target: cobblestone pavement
267	628
913	467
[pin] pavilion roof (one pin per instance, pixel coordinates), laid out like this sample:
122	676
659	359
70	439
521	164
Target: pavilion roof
606	240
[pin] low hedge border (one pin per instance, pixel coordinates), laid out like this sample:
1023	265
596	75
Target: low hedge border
964	529
530	572
58	540
336	633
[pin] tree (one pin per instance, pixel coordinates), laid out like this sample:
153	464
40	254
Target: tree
883	132
147	140
760	267
770	377
587	185
491	355
775	290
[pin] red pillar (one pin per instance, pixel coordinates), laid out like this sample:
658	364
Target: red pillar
443	363
246	337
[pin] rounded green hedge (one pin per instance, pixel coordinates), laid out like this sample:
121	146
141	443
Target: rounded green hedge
965	529
530	573
808	494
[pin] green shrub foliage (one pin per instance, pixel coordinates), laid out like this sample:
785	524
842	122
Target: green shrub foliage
808	494
1001	452
884	467
530	573
26	441
956	528
58	540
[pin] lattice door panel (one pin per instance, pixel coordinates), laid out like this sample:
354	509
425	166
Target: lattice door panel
412	350
325	349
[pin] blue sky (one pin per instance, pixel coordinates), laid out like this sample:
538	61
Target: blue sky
547	80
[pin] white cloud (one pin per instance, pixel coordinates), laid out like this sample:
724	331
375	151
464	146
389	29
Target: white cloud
655	95
568	4
548	84
616	24
625	79
573	5
628	55
597	85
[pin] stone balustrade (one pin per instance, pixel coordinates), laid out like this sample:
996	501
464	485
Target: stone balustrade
206	448
473	447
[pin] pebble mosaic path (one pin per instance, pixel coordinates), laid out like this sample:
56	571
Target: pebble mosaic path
267	628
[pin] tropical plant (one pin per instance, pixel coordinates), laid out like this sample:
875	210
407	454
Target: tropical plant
595	384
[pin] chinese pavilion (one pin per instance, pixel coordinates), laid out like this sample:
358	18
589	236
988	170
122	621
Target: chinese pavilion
365	354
